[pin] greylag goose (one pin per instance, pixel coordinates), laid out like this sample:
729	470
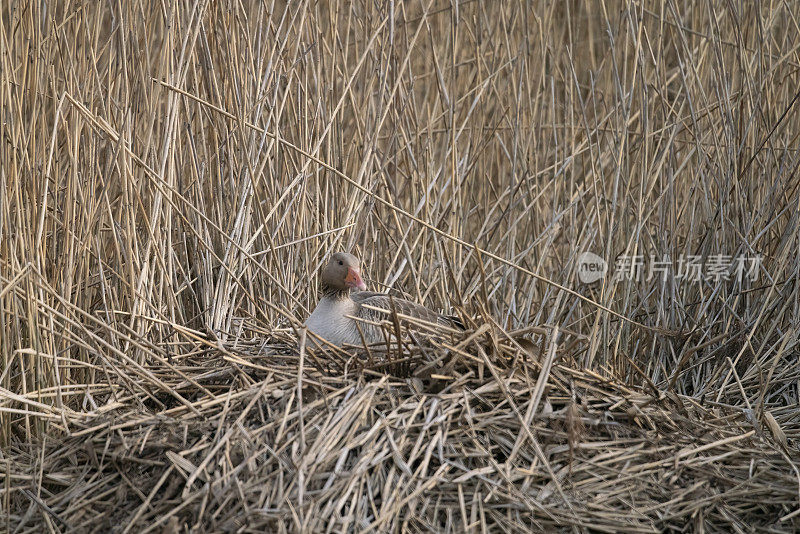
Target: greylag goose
347	317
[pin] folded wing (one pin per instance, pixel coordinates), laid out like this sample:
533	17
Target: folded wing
367	300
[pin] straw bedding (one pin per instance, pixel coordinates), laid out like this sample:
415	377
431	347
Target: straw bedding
511	439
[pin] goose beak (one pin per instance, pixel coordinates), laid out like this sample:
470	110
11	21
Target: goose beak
353	279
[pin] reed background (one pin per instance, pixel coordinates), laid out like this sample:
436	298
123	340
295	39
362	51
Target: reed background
174	174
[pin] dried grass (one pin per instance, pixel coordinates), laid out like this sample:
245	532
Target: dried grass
174	174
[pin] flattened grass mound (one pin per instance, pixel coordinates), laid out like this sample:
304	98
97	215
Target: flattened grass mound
515	442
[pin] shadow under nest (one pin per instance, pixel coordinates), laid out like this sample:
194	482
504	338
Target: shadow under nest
464	434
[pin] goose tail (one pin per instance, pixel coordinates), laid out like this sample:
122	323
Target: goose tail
455	321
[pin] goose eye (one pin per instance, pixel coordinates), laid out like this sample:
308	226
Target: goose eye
340	262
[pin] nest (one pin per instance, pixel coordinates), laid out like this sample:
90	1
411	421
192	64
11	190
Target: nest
258	436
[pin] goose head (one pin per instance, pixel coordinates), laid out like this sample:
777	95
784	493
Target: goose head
343	273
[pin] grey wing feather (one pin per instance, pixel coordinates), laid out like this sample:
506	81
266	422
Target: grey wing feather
403	306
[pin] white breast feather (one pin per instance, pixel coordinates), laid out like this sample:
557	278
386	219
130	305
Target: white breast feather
330	320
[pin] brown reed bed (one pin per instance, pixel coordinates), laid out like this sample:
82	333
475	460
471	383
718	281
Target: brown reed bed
174	174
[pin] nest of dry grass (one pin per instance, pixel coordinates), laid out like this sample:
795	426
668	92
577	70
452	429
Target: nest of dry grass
510	439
